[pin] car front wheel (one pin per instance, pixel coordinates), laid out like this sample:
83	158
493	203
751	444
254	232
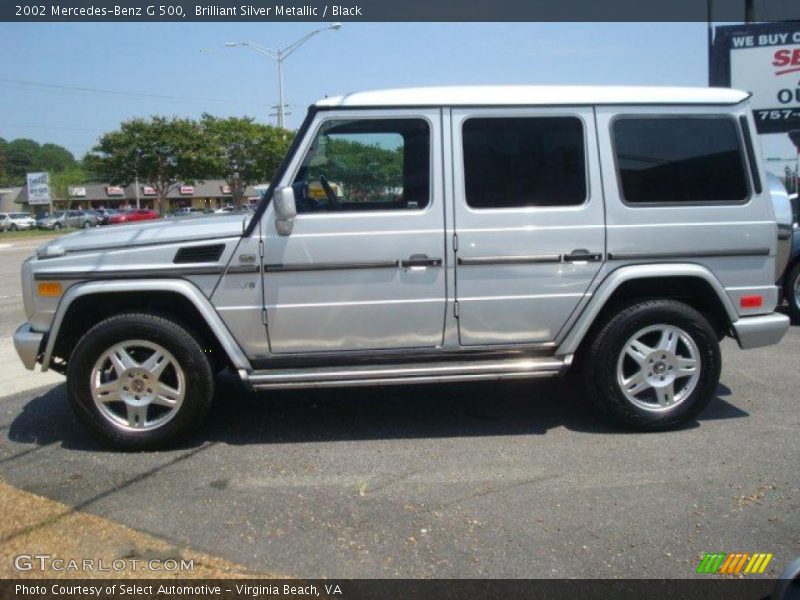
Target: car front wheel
654	365
140	381
13	227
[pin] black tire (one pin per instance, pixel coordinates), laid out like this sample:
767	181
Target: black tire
86	224
13	227
601	358
57	226
791	285
180	343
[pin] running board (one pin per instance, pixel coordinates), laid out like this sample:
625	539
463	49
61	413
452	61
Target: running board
406	374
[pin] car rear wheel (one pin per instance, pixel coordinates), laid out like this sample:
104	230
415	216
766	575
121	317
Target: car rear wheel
792	287
57	226
654	365
139	381
86	224
13	227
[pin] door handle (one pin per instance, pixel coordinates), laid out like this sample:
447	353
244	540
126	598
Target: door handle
582	255
420	260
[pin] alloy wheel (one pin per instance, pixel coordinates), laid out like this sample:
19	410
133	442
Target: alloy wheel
658	367
137	385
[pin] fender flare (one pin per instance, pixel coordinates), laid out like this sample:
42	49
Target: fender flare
177	286
573	339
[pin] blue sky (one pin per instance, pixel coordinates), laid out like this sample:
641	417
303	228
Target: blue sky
188	60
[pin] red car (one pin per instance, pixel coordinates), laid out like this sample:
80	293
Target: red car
136	214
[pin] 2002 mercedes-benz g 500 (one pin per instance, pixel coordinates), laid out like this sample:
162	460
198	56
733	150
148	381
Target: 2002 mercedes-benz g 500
434	235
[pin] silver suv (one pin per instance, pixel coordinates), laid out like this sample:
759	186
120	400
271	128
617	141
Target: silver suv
436	235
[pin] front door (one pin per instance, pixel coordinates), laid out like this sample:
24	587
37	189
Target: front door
363	267
529	219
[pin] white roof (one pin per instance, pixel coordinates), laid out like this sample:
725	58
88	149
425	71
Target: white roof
521	95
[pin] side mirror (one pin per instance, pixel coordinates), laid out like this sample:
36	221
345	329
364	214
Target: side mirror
285	210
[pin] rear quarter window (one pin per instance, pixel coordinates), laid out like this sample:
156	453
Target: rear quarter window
679	160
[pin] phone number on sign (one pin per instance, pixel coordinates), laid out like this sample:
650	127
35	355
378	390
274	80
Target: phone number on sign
778	114
40	10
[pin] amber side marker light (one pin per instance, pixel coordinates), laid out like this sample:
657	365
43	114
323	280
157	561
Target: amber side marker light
49	289
751	301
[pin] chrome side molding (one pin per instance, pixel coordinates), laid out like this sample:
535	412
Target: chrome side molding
408	373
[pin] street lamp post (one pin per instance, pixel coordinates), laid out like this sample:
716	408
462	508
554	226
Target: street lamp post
279	55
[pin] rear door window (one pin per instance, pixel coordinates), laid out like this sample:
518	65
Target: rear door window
680	159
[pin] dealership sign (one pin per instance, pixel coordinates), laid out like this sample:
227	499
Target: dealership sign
762	59
38	188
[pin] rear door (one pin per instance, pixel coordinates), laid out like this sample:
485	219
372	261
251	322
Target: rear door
529	220
363	267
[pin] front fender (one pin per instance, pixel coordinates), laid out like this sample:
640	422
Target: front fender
573	339
177	286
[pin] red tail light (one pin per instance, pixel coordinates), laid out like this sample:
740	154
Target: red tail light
751	301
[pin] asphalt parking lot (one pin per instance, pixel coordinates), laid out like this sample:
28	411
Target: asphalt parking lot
512	479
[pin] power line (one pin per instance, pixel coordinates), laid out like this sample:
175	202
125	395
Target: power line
99	91
26	125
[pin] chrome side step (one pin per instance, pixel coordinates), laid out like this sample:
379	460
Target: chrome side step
406	374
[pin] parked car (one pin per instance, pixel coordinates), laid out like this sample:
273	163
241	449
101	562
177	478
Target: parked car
103	214
133	215
67	218
16	221
617	232
188	211
790	281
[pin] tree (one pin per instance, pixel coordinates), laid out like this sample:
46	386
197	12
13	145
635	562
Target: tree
3	150
365	171
53	158
21	156
161	151
241	151
21	159
62	181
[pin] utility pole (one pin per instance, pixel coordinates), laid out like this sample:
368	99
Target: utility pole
749	11
279	55
709	21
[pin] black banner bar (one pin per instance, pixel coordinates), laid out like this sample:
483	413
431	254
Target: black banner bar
711	588
387	10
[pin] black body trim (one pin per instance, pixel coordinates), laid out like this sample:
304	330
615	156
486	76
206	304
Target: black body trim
531	259
509	260
286	268
129	273
243	269
688	255
751	155
198	254
408	355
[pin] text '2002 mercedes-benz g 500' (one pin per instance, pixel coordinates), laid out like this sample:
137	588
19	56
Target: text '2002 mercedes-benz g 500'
435	235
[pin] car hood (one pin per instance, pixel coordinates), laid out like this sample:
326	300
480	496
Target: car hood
144	233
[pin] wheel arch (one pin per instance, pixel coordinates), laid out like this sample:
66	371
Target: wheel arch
692	283
171	296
